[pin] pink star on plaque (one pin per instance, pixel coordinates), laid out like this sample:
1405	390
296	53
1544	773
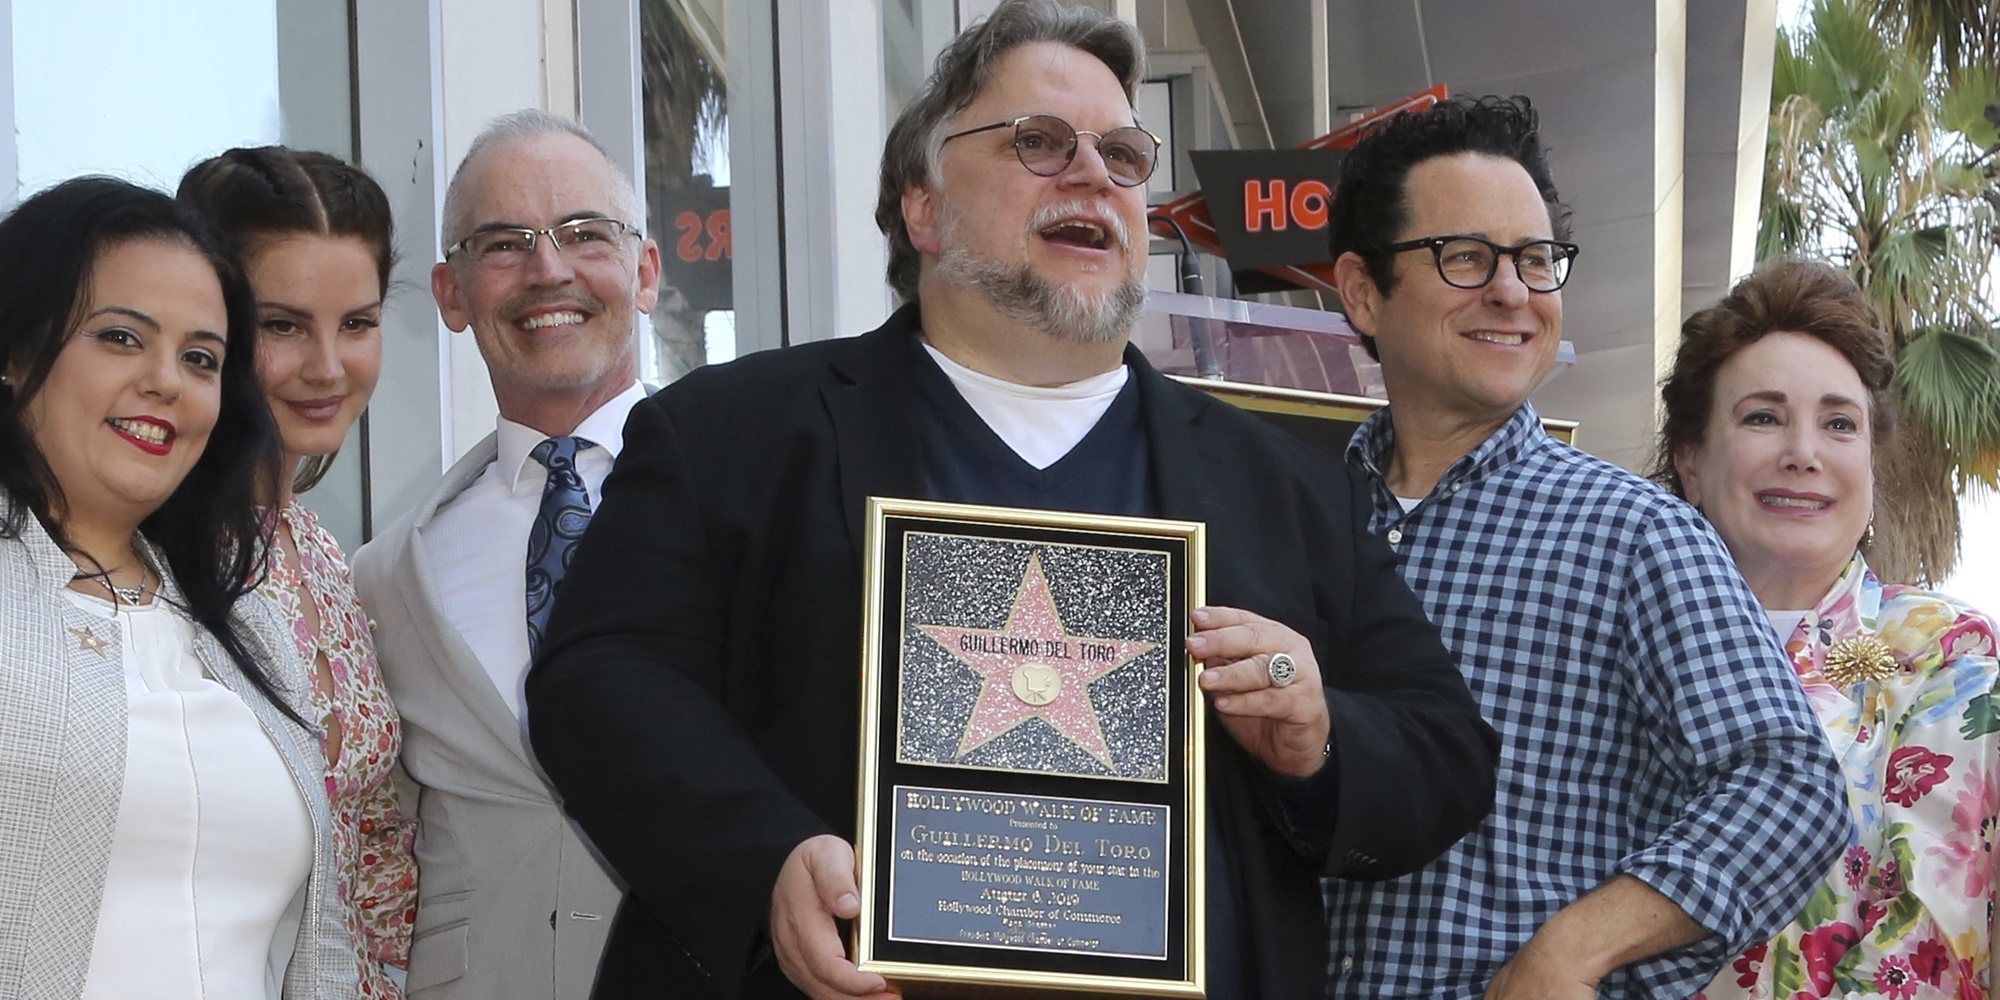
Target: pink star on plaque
1035	669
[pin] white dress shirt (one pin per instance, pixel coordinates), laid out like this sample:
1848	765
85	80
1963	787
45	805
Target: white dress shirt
478	541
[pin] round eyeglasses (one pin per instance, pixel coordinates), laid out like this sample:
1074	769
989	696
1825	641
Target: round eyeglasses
583	239
1471	262
1047	145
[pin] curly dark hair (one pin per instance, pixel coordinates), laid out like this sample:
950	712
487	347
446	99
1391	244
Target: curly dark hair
1370	207
209	532
909	157
256	193
1797	296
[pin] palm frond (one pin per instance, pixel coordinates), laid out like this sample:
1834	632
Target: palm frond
1849	53
1781	229
1955	177
1964	103
1950	380
1903	269
1978	473
1963	34
1791	68
1871	132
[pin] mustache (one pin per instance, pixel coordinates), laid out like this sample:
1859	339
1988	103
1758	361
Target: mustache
1077	208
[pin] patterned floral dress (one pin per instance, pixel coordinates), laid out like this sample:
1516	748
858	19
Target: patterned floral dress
378	869
1905	913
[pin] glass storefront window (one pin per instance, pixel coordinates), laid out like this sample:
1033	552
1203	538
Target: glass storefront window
89	99
686	97
913	32
143	90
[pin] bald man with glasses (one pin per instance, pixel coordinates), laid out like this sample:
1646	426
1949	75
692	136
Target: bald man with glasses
545	264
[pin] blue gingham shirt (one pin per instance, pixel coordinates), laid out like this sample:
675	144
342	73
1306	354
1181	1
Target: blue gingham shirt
1650	724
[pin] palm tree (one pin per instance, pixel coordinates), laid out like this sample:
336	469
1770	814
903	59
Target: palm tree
1963	33
1881	160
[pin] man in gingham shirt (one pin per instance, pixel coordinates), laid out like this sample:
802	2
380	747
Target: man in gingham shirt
1665	795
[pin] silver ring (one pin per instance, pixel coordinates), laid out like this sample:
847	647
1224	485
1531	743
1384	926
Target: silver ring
1282	670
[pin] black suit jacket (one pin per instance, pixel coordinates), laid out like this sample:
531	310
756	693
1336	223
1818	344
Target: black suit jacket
696	697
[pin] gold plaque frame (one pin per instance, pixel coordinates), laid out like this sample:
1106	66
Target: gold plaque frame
991	970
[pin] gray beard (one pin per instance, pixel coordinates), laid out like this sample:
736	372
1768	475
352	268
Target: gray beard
1060	312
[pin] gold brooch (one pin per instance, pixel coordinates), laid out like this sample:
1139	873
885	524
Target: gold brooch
1862	658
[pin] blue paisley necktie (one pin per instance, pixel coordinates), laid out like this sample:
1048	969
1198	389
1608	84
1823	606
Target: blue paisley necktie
558	527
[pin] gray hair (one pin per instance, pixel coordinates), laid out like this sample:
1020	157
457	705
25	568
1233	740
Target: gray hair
528	123
910	157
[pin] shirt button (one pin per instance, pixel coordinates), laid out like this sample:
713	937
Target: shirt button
1395	536
1347	964
1455	487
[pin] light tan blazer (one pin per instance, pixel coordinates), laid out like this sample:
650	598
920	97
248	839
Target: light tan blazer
512	902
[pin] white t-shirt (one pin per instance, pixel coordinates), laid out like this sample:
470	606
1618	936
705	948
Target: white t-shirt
1041	423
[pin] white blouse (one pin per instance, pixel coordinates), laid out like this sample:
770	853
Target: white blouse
213	846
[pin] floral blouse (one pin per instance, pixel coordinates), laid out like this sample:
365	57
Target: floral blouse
378	869
1904	913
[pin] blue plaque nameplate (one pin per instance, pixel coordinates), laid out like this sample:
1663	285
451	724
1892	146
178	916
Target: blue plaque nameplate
1077	876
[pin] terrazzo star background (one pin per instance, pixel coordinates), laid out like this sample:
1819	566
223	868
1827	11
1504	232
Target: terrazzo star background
953	713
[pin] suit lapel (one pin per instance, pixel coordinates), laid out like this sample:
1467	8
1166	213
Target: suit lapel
417	587
871	406
1196	471
64	705
1182	455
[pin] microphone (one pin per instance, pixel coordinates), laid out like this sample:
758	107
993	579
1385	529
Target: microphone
1190	283
1190	271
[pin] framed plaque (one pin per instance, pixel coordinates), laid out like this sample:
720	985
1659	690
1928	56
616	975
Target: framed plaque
1031	799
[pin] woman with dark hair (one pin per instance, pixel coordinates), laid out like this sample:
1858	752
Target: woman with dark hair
1774	411
161	808
317	242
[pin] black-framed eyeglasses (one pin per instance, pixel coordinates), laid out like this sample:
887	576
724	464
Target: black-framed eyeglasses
581	239
1471	261
1047	145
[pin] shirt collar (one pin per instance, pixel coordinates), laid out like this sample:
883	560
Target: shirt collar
604	427
1374	443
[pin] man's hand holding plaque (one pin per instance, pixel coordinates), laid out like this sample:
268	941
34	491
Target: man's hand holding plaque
816	888
1263	680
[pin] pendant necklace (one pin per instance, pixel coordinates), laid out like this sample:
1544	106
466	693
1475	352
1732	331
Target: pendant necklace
120	595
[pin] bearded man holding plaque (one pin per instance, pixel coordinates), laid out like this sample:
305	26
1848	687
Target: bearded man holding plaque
697	695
